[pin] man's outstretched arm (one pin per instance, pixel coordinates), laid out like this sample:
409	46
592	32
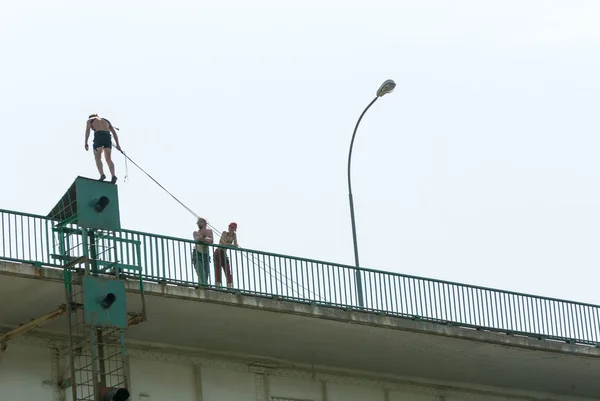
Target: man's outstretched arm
88	126
112	130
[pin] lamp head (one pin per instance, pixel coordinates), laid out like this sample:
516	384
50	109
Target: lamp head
386	87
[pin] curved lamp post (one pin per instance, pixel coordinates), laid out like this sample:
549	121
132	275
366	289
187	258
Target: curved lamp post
385	88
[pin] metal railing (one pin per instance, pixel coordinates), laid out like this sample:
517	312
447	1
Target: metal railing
29	238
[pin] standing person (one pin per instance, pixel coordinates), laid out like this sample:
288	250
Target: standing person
228	237
102	142
201	258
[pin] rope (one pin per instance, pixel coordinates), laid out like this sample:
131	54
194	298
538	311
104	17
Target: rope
254	257
126	169
158	183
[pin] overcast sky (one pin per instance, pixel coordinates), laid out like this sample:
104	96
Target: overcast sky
480	168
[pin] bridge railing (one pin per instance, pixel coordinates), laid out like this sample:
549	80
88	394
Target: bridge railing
29	238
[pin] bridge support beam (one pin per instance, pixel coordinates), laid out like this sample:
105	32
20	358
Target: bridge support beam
47	318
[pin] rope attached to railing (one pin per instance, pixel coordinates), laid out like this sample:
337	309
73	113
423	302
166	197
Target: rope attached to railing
218	232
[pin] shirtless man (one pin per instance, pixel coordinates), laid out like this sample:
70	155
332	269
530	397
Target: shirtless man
102	141
228	238
203	236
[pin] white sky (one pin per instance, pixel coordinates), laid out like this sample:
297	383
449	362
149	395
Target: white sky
480	168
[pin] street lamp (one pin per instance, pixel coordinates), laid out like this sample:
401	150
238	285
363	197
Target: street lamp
385	88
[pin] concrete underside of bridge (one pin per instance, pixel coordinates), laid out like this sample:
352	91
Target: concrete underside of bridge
322	336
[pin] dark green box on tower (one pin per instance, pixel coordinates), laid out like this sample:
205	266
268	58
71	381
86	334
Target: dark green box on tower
90	204
104	302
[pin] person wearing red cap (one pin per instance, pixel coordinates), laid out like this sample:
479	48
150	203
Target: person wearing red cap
228	238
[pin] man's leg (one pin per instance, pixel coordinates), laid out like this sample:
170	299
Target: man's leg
196	263
98	158
206	263
228	273
109	162
199	265
217	266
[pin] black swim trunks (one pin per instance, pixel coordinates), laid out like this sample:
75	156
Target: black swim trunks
102	139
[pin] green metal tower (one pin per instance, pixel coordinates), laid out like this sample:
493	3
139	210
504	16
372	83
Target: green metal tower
97	261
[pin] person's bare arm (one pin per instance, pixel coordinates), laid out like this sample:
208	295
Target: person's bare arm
88	126
235	240
114	132
204	236
209	236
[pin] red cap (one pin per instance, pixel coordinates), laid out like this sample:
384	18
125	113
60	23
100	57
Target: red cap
234	225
